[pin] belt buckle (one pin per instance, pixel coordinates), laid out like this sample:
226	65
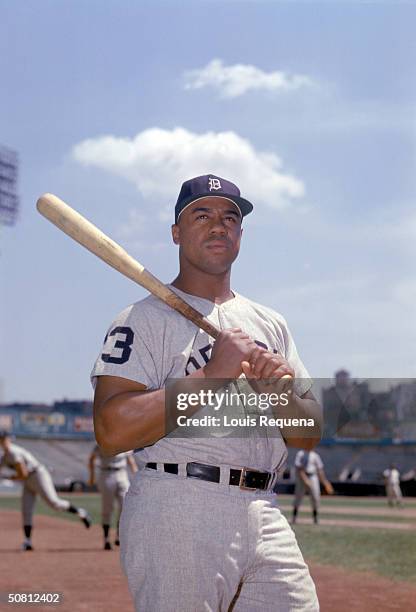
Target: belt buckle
241	484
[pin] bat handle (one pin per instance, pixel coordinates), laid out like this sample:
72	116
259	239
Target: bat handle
209	328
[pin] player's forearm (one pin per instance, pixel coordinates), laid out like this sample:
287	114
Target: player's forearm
91	468
135	419
322	477
132	464
306	437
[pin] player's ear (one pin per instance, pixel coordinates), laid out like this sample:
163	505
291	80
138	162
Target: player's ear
175	233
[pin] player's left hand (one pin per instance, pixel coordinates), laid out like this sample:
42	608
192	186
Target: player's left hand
265	369
264	364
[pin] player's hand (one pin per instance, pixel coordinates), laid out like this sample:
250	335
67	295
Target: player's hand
231	348
264	364
329	489
264	371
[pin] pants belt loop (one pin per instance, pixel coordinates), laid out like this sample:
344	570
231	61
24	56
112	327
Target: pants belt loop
182	470
224	475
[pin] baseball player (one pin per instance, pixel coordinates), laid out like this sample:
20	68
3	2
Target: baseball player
309	474
392	484
36	481
113	484
200	526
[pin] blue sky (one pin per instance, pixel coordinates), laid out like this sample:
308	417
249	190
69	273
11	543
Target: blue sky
309	107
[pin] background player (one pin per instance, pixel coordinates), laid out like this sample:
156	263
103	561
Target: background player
113	484
309	474
36	481
392	483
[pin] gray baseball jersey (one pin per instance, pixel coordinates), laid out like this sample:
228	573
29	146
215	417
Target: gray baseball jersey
392	476
149	343
310	461
16	454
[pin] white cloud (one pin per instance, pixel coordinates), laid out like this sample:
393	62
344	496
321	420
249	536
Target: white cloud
238	79
157	161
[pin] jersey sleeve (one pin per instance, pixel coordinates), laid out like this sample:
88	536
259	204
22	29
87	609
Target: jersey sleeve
127	351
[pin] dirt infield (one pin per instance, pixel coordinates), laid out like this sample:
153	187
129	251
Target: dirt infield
68	559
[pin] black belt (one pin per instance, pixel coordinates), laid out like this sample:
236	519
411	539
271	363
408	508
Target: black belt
111	469
245	479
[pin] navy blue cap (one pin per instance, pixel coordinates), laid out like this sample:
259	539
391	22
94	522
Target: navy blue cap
5	434
210	185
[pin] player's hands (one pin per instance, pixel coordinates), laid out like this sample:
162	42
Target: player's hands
231	348
263	364
329	489
264	370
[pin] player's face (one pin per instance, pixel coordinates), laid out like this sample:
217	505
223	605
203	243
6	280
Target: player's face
208	233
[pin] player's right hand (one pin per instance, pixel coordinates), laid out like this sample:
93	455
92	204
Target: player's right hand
231	348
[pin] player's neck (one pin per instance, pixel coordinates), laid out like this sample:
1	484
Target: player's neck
215	288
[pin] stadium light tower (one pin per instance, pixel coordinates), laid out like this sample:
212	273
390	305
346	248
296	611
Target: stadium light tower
9	201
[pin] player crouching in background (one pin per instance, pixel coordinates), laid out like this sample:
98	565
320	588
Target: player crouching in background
309	475
36	481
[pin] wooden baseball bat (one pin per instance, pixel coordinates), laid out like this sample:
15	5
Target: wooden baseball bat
83	231
89	236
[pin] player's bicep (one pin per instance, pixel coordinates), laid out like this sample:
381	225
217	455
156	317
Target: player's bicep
111	403
108	387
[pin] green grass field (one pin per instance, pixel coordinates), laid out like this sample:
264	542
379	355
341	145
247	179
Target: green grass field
386	552
91	502
389	553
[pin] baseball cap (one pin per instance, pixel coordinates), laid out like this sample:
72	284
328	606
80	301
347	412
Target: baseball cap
210	185
4	434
